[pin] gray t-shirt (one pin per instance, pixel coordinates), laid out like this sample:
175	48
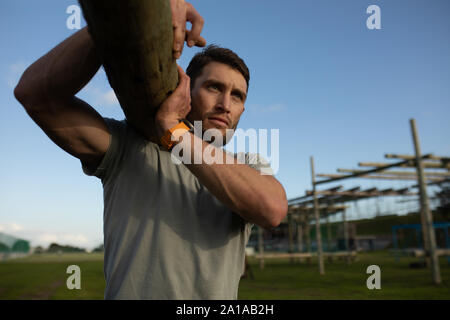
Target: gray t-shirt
165	235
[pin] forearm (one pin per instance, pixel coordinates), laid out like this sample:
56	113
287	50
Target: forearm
257	198
62	72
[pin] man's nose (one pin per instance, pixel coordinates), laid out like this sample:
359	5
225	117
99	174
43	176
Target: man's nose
224	102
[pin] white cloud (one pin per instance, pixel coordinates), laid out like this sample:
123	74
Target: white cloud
110	98
14	73
11	227
45	238
102	98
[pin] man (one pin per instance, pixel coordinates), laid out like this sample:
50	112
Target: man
170	231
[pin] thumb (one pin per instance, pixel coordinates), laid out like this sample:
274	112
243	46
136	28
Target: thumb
184	80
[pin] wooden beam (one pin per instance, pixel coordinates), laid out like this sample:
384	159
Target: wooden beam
434	183
392	165
307	195
324	208
401	173
335	188
439	252
134	39
364	194
407	164
381	177
304	255
411	157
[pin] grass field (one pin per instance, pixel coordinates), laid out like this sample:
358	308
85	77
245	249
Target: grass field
44	277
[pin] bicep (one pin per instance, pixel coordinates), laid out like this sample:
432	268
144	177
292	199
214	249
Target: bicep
75	127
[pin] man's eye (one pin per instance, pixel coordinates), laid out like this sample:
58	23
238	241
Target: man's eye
213	87
238	96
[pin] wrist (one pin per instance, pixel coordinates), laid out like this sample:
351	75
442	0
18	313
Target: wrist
162	126
173	134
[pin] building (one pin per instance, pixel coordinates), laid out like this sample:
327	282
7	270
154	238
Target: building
12	247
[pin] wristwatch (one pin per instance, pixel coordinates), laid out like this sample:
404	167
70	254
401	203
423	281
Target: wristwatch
172	135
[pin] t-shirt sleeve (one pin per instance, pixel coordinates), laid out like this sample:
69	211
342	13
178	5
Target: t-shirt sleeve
257	162
112	158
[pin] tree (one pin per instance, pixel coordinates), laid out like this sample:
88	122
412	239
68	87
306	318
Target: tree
100	248
56	248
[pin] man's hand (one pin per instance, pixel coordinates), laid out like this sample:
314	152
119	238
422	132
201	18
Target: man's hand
182	12
175	107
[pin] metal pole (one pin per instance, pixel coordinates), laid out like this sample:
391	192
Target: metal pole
426	217
316	216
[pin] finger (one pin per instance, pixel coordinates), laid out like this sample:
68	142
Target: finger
181	73
197	24
184	80
178	40
184	84
178	9
200	42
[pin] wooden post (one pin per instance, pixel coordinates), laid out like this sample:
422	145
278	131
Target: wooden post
134	39
261	247
317	217
426	217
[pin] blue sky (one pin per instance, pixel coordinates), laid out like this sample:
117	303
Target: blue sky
335	89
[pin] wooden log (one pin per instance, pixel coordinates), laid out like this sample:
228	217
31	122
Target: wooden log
134	39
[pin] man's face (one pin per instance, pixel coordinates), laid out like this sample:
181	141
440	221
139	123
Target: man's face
218	97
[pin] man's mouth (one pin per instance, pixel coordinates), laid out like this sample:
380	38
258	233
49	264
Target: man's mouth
220	121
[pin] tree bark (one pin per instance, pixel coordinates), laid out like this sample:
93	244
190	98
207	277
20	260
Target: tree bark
134	39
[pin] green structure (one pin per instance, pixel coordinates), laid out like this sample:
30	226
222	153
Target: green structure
11	244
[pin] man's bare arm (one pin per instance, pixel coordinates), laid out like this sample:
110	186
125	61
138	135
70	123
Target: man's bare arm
47	92
257	198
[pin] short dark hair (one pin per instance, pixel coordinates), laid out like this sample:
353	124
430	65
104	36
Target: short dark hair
214	53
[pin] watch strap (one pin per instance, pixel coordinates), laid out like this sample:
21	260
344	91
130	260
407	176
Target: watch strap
173	135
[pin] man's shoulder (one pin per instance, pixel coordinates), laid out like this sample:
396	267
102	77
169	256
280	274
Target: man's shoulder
125	130
122	124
